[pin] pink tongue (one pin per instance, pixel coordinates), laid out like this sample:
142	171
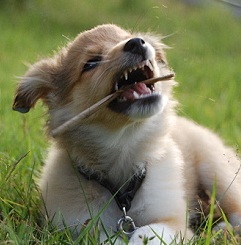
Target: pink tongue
139	88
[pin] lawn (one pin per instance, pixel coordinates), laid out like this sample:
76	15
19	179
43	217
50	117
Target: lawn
205	55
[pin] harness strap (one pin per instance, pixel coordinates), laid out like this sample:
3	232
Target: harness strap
124	197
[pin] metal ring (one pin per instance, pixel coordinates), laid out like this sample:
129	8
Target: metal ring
128	222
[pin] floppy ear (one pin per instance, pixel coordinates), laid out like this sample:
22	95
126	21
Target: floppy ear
37	83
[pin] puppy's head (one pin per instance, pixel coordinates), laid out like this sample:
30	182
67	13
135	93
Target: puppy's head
97	63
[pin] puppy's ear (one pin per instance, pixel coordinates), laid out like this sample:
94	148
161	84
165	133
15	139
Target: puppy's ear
37	83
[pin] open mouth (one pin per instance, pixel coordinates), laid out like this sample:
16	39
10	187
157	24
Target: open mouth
131	82
136	97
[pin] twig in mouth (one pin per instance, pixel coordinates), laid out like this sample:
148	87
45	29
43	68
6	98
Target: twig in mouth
92	109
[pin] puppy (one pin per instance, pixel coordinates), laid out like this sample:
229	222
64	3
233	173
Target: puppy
134	154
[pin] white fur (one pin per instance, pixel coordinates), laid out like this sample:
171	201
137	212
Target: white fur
164	232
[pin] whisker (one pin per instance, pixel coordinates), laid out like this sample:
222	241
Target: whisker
67	38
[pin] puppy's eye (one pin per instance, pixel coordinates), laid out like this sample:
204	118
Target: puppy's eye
92	63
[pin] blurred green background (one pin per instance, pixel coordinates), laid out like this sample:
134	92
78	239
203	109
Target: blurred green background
205	53
205	41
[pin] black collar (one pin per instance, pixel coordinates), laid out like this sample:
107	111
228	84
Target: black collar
124	197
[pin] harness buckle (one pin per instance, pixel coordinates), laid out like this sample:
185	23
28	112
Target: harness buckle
126	224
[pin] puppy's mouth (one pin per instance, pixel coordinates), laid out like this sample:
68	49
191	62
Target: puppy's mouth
131	82
133	90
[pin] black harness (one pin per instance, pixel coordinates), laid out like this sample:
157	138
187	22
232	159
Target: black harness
123	196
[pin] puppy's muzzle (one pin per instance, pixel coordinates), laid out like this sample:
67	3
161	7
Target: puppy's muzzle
139	65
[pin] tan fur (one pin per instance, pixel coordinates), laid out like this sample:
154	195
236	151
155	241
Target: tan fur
181	156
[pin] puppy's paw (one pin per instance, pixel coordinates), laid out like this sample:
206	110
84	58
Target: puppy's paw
152	235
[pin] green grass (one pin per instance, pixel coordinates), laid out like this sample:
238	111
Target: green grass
205	55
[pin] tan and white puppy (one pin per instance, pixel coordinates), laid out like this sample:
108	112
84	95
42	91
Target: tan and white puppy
138	130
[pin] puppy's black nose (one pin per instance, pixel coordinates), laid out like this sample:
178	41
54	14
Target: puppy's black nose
136	46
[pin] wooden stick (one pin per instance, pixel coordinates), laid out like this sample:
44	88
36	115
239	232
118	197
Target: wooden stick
92	109
159	79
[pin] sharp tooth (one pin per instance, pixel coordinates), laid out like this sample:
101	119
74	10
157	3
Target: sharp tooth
135	67
116	86
126	75
150	65
136	95
130	70
144	95
122	99
141	65
147	63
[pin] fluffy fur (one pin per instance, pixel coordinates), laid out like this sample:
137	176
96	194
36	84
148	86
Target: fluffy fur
140	127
